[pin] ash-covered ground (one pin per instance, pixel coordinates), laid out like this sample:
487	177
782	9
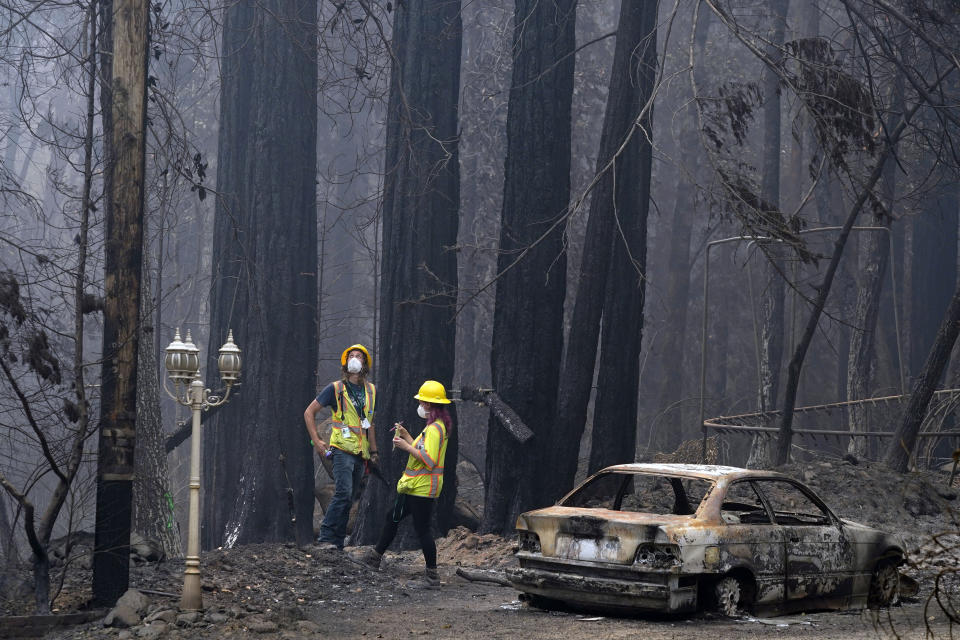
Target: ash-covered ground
279	591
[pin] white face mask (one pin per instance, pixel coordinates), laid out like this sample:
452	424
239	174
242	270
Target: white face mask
421	412
354	365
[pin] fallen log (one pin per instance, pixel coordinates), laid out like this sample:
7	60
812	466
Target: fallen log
38	626
483	575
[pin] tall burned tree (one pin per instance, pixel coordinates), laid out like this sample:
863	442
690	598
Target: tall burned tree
674	340
264	274
772	299
420	221
152	495
121	315
900	450
615	408
614	257
528	316
875	254
933	272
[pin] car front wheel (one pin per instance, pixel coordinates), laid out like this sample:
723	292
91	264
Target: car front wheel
884	585
728	593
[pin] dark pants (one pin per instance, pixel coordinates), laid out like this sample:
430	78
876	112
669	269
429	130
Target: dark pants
420	508
347	474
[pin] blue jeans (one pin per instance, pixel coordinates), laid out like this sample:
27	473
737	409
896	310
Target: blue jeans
347	473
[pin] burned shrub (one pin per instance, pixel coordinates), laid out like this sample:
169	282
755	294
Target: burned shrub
10	300
41	359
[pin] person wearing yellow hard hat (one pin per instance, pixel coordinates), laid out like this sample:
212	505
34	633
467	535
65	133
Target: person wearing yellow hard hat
352	401
422	480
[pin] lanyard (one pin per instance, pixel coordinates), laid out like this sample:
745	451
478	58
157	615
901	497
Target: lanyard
358	402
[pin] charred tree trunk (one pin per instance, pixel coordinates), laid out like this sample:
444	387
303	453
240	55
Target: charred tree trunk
933	242
9	554
152	499
619	198
901	449
772	304
264	274
122	269
420	220
339	300
785	431
678	272
862	355
862	359
934	264
618	376
528	316
772	297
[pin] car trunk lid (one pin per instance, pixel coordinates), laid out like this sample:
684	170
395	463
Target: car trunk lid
597	535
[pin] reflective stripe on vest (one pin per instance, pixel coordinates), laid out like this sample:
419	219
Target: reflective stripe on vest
346	416
436	474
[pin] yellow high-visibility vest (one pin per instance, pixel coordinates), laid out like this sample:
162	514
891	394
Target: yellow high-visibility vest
348	433
424	473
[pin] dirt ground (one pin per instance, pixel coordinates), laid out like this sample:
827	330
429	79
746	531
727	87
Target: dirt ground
279	591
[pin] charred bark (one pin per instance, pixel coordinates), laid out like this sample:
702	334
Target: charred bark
934	258
785	432
152	498
528	315
772	297
420	221
901	449
670	393
862	360
862	354
618	376
9	554
264	273
122	269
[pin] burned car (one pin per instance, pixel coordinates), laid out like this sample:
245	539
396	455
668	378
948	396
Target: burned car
677	538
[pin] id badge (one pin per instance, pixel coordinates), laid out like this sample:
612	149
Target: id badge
345	433
365	423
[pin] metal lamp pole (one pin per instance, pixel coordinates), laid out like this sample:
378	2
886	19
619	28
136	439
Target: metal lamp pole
183	367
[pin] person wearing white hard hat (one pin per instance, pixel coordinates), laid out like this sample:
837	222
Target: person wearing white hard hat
422	479
352	401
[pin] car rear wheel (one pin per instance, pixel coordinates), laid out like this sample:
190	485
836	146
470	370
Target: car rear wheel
884	585
728	593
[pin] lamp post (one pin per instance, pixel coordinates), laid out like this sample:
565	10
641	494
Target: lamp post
183	367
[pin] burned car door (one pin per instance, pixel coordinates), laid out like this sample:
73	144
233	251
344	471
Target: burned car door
752	540
818	555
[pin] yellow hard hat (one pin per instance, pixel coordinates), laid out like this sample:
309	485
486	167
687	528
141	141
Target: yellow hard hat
359	347
433	392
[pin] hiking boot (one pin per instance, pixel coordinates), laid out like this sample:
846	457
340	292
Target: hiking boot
367	556
429	580
327	546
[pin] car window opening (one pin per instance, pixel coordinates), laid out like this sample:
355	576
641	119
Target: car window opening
641	493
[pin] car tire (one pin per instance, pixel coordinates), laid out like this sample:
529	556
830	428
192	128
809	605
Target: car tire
884	585
727	596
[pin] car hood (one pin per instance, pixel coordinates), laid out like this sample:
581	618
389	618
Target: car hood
597	534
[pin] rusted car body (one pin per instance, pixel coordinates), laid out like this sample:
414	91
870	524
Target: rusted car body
675	538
